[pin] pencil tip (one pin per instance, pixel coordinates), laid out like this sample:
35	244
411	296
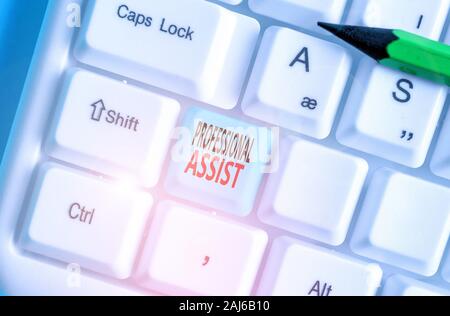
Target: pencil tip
333	28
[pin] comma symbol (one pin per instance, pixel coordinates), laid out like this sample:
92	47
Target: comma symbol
205	261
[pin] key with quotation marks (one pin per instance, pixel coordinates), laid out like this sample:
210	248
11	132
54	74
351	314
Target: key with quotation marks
297	82
295	268
303	13
193	253
86	221
108	126
391	115
425	18
194	48
404	221
315	192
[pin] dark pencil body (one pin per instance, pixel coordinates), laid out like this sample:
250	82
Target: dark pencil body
398	49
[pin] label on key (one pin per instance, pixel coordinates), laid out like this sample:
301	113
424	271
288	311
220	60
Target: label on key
85	221
112	127
190	47
219	161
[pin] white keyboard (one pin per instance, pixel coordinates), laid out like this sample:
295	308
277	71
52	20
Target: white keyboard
194	147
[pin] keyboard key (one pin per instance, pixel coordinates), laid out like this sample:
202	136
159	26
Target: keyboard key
447	39
83	220
391	114
398	285
111	127
303	13
426	18
203	50
446	269
235	2
315	192
297	82
405	222
299	269
193	253
218	162
440	163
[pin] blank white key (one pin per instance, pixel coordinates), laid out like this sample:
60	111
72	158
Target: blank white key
194	48
297	82
391	114
425	18
398	285
194	253
440	163
83	220
295	268
111	127
405	222
315	192
303	13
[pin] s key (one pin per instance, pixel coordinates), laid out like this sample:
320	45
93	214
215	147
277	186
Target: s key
391	115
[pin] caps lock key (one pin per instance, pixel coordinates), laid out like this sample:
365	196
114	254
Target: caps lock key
194	48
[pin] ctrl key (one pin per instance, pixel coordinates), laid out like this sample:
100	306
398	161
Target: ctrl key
82	220
295	268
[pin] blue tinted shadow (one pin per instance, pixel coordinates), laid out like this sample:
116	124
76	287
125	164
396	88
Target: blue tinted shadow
20	22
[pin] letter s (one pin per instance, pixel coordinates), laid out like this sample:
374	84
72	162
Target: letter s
407	96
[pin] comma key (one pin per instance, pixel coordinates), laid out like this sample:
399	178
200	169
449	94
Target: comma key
189	252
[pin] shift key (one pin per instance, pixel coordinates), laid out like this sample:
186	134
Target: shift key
181	46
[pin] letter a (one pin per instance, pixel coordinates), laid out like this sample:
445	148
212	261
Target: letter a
315	289
298	59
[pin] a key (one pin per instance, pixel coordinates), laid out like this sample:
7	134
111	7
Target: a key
111	127
297	82
391	114
398	285
426	18
235	2
315	192
194	48
404	221
303	13
440	162
446	269
447	39
295	268
85	221
193	253
218	161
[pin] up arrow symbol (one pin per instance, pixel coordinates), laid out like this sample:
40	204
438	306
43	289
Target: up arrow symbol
98	108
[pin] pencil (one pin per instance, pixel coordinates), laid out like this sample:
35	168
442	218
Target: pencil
398	49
